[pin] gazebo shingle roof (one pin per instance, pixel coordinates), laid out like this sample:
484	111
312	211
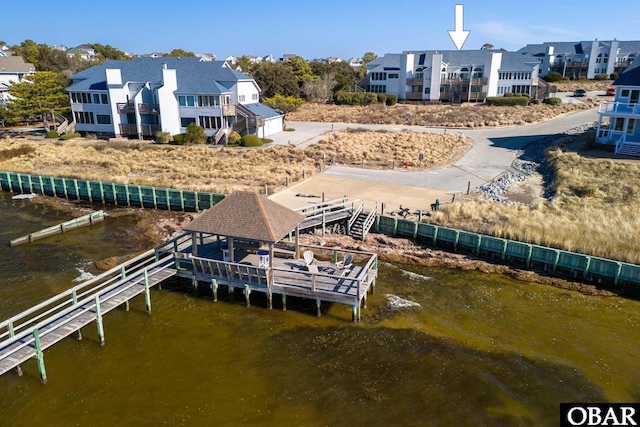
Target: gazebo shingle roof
248	216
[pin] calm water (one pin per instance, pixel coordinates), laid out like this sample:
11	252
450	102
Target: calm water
482	350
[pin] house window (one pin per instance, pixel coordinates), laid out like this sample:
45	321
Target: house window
631	126
476	89
185	121
187	101
105	99
209	122
427	90
396	75
84	117
254	97
378	76
619	123
378	88
96	98
103	119
208	101
624	93
240	98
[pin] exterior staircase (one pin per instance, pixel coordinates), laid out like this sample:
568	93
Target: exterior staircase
543	89
362	223
628	149
60	123
247	121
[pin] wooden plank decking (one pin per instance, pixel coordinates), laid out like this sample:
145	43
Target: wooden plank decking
64	322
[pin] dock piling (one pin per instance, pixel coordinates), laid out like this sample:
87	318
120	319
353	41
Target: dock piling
40	356
247	293
318	310
147	294
214	289
284	302
99	320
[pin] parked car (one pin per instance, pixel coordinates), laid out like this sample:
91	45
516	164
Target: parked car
580	92
611	91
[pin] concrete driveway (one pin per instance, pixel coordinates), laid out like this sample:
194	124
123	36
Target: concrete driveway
493	152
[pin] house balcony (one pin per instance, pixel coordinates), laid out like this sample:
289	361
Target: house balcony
228	110
149	108
126	108
614	108
465	82
413	96
132	130
415	82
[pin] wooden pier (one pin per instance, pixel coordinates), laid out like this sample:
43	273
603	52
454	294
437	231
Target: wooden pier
253	257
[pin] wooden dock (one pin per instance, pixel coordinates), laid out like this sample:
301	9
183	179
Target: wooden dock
26	335
83	221
29	333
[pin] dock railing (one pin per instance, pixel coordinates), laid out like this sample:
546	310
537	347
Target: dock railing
17	323
83	221
68	309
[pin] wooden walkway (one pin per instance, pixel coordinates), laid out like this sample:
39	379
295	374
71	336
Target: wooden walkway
46	324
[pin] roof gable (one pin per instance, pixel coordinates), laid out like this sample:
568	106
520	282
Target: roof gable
631	77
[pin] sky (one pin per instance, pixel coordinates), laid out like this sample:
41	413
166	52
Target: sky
312	29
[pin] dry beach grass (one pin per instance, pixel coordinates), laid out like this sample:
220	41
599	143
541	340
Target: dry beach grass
465	116
221	170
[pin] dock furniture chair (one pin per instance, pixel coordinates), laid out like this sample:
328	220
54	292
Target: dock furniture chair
308	257
345	265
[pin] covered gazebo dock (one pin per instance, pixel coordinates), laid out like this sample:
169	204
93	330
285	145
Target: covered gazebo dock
250	242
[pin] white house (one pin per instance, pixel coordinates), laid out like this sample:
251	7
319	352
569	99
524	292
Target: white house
12	69
140	97
618	121
585	59
453	76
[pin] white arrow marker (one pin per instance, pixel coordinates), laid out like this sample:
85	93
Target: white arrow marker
459	35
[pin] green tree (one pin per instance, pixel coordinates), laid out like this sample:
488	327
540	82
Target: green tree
29	51
342	72
195	134
108	52
276	78
286	104
301	68
366	58
487	46
38	94
245	64
180	53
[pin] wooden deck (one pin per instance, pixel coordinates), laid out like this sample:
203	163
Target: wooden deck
290	277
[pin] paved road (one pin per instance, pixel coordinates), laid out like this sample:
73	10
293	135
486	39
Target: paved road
494	151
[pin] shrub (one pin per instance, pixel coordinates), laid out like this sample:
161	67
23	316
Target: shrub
553	101
597	77
53	134
613	76
509	94
507	101
286	104
70	136
370	98
536	101
382	98
178	139
163	137
266	140
234	138
392	99
553	76
195	134
250	141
